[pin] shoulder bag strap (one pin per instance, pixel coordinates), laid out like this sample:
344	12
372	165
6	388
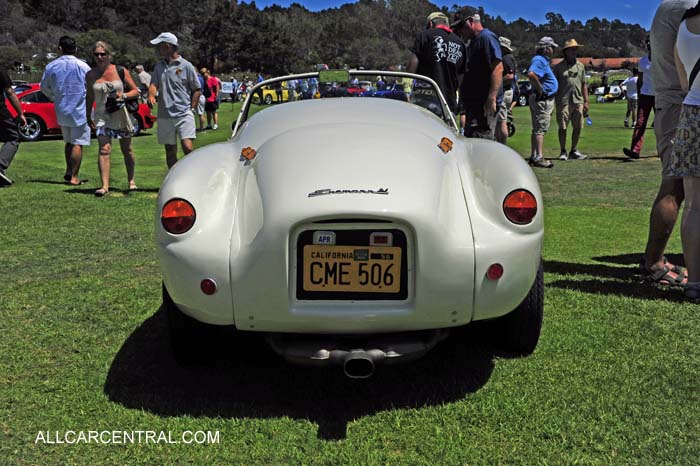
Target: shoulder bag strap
694	74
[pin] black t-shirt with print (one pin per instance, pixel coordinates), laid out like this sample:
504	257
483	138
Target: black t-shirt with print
5	82
441	55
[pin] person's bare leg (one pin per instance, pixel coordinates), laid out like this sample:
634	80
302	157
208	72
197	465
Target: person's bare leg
171	154
575	135
103	164
187	146
129	160
533	145
562	139
76	158
690	227
502	132
539	141
202	121
664	213
216	118
67	153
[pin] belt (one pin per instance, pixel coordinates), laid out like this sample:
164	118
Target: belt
544	97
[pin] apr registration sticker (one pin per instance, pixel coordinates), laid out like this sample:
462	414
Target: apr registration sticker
324	237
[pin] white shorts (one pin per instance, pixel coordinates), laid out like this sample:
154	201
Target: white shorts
169	129
76	135
200	105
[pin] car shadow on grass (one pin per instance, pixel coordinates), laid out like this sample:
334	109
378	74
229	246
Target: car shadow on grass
622	279
245	379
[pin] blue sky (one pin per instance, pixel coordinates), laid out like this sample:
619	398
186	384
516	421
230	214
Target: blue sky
629	11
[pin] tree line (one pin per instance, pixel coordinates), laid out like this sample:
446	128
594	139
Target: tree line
225	35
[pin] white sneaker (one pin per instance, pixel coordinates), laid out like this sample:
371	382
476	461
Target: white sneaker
563	156
215	127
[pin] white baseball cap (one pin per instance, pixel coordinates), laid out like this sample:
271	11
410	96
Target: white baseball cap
167	37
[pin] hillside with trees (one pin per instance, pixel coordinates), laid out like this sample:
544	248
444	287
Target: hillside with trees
226	35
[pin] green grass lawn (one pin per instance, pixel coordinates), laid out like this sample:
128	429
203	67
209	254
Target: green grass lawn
84	347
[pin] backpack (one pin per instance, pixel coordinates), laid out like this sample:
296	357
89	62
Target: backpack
206	90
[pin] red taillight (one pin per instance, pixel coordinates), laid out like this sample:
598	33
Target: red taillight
177	216
495	271
520	207
208	286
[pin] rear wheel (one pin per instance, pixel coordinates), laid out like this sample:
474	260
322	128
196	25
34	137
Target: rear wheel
268	99
522	101
187	335
34	129
519	331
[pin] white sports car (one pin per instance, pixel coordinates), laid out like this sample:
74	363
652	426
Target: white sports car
351	231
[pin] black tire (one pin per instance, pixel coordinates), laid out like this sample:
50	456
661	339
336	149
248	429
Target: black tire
188	336
268	99
256	99
522	101
519	331
34	130
136	121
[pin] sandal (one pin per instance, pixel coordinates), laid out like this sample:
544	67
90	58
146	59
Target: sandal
669	275
692	292
101	192
540	163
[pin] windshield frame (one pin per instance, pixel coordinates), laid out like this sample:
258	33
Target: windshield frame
448	117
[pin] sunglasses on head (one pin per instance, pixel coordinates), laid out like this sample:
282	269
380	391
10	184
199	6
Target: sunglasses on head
100	54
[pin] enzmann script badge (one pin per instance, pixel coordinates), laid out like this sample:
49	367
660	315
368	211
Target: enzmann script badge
324	192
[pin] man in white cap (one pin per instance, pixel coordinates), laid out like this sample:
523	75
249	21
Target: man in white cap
571	99
175	81
545	87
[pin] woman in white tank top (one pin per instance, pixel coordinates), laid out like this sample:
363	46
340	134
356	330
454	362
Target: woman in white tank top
685	160
103	81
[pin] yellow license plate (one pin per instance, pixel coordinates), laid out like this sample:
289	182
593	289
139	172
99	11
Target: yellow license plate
361	269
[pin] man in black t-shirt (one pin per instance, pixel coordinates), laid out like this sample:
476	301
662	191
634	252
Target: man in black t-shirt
438	54
483	75
8	127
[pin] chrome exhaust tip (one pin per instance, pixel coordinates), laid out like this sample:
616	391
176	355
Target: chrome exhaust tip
358	365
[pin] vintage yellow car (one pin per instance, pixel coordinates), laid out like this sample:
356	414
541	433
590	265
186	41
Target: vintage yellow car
269	95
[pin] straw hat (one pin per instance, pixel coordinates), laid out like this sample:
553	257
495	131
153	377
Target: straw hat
571	43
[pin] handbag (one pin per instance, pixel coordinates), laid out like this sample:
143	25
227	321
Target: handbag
132	103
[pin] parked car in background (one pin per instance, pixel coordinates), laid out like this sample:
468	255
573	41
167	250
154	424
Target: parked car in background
390	91
41	115
615	91
525	91
269	95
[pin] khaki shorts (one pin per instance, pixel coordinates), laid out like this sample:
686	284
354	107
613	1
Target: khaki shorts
541	113
169	129
502	114
665	124
76	135
571	113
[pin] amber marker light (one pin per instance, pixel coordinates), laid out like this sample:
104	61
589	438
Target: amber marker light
177	216
520	207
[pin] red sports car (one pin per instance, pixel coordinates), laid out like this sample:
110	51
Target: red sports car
41	116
